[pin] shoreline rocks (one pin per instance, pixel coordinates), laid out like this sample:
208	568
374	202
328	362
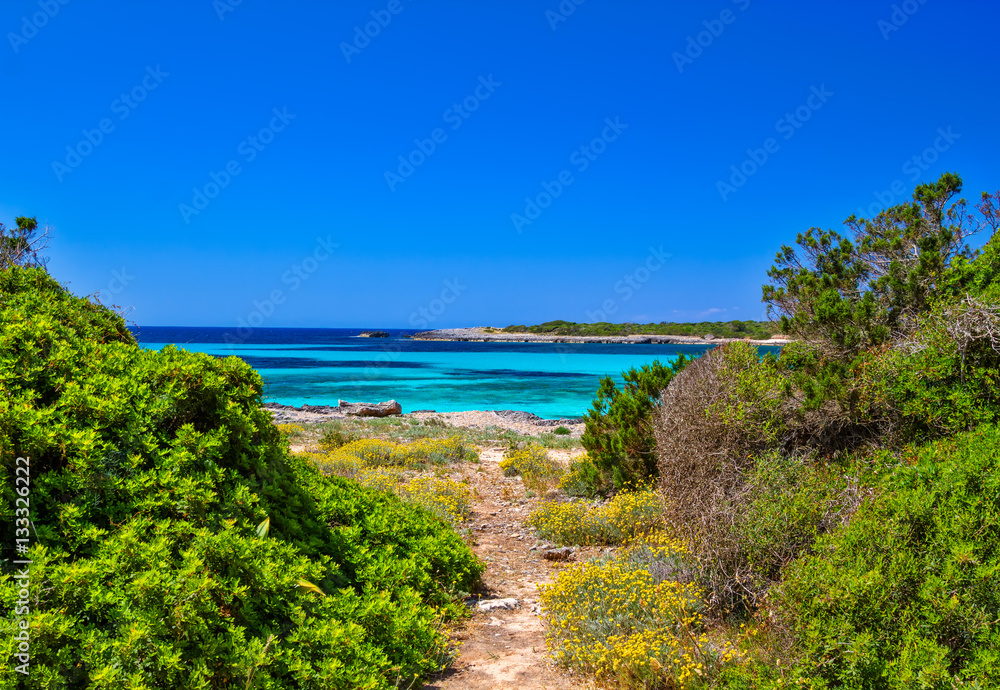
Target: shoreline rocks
382	409
488	334
514	420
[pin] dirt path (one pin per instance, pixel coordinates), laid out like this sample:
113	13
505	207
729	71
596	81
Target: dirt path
505	648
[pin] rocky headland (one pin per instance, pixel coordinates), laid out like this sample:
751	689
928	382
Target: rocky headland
486	334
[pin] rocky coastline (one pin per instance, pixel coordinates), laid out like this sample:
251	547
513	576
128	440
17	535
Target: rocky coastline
515	420
484	334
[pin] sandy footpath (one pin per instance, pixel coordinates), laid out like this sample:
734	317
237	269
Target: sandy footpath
506	648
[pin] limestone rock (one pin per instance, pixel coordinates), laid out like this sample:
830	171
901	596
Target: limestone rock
494	604
382	409
563	554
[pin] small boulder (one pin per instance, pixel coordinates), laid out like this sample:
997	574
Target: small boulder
563	554
382	409
495	604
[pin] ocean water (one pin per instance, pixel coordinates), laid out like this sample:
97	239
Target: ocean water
321	366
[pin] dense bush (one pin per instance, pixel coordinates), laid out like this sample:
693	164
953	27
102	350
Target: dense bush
716	418
852	301
151	474
906	594
618	432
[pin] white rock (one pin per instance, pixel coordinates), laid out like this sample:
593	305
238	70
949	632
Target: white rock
494	604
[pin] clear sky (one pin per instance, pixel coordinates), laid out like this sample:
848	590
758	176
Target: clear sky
426	163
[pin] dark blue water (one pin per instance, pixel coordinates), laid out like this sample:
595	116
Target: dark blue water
319	366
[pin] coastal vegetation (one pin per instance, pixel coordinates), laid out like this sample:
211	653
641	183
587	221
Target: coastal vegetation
832	512
824	518
755	330
177	543
618	437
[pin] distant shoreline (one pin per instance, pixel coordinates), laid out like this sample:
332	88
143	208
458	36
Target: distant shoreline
481	334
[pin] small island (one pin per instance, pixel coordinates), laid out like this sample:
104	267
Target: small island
373	334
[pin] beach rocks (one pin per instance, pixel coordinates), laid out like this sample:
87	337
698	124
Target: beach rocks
382	409
533	419
373	334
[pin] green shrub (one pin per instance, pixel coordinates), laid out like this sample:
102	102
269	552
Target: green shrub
561	431
335	436
618	434
150	473
528	461
716	417
583	479
906	594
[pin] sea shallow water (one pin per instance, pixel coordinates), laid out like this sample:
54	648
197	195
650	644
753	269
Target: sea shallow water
321	366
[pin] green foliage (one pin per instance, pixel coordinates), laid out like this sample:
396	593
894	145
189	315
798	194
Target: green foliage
153	476
906	594
583	479
23	245
846	299
335	437
618	434
561	431
855	293
759	330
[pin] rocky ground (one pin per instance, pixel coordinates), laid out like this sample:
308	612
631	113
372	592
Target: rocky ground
511	420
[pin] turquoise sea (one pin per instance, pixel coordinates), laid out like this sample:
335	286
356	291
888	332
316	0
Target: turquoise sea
319	366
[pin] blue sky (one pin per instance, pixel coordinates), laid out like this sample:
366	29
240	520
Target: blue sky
427	163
